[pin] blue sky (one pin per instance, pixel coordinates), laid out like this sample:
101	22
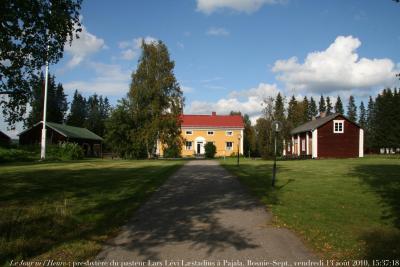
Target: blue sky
230	54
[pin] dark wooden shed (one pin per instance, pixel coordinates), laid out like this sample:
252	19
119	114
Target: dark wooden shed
5	140
56	133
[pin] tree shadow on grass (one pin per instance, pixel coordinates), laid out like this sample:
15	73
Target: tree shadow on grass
100	200
258	180
384	180
42	208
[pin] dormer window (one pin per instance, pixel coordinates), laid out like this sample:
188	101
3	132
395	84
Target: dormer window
338	126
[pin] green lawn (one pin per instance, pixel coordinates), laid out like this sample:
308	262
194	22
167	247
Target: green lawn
342	208
66	210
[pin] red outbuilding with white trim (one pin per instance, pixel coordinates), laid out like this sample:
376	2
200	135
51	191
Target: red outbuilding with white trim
332	136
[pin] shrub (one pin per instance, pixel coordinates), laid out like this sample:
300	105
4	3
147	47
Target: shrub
210	150
13	155
69	151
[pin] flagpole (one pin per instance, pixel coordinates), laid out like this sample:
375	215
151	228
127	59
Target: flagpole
43	141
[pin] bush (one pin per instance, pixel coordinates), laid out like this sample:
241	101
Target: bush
69	151
13	155
210	150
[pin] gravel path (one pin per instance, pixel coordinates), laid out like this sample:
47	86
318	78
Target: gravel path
203	214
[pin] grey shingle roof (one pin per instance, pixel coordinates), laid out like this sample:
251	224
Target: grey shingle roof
314	124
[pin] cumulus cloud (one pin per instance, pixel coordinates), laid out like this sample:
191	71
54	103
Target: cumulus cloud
82	47
248	101
130	49
213	31
247	6
110	80
338	68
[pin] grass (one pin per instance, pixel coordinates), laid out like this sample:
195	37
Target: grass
67	210
342	208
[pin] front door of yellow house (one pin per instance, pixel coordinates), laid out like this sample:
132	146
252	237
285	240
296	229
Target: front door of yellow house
199	147
199	142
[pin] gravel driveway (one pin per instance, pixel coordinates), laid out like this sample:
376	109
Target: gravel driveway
203	215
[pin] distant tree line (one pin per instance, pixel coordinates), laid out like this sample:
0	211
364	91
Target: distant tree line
90	113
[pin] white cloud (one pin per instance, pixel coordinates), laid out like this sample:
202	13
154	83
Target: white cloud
187	89
110	80
338	68
130	49
246	101
213	31
180	45
247	6
82	47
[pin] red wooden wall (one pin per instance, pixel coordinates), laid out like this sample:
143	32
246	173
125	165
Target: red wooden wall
338	145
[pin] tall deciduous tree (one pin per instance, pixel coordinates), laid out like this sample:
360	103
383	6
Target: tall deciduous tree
352	109
157	99
27	29
339	106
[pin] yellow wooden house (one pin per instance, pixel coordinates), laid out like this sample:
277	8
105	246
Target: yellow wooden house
224	131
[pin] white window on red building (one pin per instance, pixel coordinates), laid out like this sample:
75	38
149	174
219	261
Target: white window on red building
338	126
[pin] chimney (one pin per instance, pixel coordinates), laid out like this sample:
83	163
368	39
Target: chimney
214	113
313	118
322	114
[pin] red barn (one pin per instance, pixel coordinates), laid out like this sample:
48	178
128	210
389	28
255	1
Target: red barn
333	136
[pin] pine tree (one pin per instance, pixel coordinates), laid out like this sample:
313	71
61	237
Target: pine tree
370	125
78	111
313	111
306	110
57	105
291	113
322	105
352	109
362	118
329	107
339	106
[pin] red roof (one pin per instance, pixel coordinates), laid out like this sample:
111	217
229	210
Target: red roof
226	121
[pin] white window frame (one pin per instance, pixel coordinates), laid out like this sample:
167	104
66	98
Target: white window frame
227	147
288	147
338	122
189	147
210	132
189	132
229	133
303	145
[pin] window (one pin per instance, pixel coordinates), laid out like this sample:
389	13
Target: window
288	147
229	145
338	126
188	145
189	132
303	145
229	133
210	132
